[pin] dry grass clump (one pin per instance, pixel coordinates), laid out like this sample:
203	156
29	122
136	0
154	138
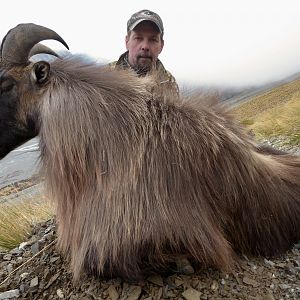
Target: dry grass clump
17	219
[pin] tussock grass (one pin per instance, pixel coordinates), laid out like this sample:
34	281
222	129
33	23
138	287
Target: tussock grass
275	113
18	218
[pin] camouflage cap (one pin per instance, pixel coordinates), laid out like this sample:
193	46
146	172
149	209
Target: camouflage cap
145	15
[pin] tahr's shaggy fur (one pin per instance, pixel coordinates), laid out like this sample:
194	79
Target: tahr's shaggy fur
137	180
141	178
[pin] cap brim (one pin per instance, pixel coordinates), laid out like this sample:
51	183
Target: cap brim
142	20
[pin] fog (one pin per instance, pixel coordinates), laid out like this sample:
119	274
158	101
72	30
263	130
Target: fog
231	42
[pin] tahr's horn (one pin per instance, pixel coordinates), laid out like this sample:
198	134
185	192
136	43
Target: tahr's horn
18	42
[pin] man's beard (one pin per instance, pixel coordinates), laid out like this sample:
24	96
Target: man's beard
143	69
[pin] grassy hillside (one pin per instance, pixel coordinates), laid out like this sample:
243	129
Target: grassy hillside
275	113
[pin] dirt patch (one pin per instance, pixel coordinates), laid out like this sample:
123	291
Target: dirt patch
19	186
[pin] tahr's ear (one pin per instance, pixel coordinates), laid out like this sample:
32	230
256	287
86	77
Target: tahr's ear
40	72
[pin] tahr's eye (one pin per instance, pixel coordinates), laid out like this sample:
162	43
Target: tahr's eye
6	85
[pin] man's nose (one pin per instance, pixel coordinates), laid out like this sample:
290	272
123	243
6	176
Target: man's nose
145	46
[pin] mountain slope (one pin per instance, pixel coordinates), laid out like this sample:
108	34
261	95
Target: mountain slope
274	113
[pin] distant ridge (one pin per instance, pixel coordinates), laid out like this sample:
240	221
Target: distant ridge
236	95
250	92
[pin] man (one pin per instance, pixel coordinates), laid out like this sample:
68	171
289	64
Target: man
144	42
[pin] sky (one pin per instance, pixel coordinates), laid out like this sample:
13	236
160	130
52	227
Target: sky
207	42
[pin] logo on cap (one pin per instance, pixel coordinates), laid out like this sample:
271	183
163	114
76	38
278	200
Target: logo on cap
145	15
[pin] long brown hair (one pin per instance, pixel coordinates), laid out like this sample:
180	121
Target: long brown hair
137	180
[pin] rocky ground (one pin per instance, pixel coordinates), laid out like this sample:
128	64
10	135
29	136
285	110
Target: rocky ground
280	143
35	270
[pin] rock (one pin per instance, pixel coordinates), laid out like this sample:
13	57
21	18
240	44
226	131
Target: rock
284	286
156	279
250	281
134	292
7	257
281	265
268	297
52	279
34	282
47	274
159	293
9	294
54	259
19	259
49	228
60	294
35	248
174	281
23	288
9	268
170	281
214	286
23	245
49	236
112	292
32	240
296	262
269	262
191	294
15	251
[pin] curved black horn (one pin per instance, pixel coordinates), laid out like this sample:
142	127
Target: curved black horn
41	49
18	42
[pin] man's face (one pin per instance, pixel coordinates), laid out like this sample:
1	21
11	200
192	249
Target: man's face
144	44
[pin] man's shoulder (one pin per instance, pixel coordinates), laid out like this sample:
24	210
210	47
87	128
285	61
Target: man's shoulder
167	75
166	79
170	76
121	63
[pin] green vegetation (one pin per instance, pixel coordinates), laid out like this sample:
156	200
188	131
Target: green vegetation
275	113
17	220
